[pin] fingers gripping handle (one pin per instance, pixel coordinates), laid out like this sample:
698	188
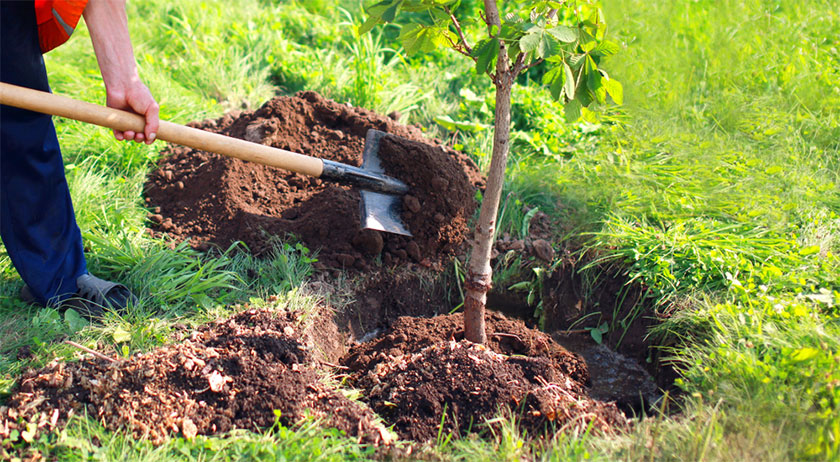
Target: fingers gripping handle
48	103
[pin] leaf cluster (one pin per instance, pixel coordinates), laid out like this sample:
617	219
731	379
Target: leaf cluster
567	39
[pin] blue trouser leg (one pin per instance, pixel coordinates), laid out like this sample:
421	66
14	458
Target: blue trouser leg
37	222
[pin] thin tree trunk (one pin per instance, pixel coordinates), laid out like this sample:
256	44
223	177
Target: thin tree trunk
479	271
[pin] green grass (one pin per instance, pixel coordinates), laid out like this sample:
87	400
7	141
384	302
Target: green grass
304	443
717	186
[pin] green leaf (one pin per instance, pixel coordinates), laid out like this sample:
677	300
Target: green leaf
416	38
576	60
120	335
569	87
572	110
74	321
600	92
522	285
804	354
591	74
368	25
584	95
615	90
454	125
564	33
606	48
596	335
588	115
529	41
588	42
592	77
538	41
378	9
485	53
555	79
391	12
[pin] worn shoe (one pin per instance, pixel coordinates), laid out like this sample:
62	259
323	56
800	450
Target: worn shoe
93	297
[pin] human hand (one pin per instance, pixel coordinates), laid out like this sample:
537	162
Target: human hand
135	97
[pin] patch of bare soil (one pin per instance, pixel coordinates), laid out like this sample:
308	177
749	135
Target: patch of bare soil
571	301
380	298
422	369
215	200
231	373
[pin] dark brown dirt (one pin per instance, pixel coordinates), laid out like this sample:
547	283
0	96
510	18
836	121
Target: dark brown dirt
569	297
215	200
229	374
422	368
382	297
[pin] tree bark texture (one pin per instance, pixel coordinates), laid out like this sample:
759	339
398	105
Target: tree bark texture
479	271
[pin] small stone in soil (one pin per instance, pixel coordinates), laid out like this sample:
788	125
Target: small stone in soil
411	203
413	250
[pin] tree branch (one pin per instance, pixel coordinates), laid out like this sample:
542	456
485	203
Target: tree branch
535	63
458	28
519	65
460	49
492	18
88	350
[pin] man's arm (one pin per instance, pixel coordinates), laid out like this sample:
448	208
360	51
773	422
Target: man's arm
108	26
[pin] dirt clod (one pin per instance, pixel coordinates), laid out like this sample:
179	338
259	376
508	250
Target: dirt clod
369	241
411	203
543	250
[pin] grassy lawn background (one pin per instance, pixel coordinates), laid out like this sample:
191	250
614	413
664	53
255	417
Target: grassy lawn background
717	185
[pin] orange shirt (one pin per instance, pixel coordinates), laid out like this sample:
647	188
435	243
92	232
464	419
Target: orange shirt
56	21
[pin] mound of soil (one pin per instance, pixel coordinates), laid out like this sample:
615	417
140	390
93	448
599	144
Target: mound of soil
422	369
215	200
229	374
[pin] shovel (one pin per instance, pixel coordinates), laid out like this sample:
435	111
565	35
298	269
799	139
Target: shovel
380	206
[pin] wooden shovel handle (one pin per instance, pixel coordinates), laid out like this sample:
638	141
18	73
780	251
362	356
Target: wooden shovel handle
48	103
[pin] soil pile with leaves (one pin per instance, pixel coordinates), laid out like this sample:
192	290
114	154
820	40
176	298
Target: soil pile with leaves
213	199
228	374
422	372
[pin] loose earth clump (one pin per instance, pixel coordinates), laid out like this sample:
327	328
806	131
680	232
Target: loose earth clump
422	372
231	373
215	200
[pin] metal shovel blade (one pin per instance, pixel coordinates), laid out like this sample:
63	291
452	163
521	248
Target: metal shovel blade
379	211
382	212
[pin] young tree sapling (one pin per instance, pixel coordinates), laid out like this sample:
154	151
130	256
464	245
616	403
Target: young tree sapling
565	37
